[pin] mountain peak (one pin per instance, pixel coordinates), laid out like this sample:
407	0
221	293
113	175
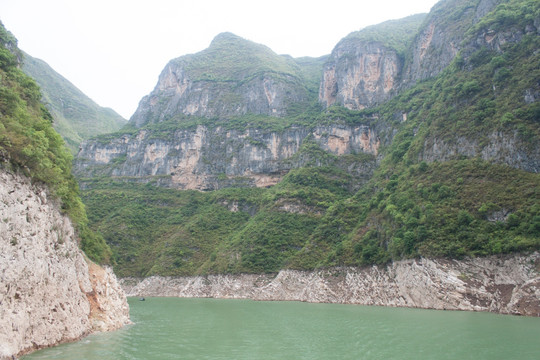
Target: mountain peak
227	42
226	37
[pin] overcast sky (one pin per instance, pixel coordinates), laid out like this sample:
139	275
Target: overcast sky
114	50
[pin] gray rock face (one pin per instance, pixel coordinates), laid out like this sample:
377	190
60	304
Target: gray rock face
232	77
210	158
359	74
49	292
439	40
176	93
508	285
502	148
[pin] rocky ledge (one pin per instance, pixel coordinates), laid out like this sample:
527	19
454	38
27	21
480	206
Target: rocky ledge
50	292
505	284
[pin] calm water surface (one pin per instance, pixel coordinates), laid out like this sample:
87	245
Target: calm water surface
173	328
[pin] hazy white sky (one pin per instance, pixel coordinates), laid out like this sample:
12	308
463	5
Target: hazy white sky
114	50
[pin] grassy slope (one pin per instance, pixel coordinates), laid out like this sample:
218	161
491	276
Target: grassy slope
76	117
396	34
232	58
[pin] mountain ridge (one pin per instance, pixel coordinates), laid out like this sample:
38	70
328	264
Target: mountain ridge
76	116
232	77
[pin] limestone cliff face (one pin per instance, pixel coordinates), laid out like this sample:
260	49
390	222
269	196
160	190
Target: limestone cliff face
176	93
502	148
232	77
440	38
359	74
210	158
508	285
49	292
362	72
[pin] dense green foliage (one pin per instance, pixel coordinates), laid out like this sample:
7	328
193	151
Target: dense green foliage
396	34
76	117
452	209
164	231
451	205
509	13
29	143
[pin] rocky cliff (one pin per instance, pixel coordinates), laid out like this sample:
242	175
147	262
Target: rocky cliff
359	75
208	158
365	67
440	38
188	135
235	78
49	291
502	148
507	285
232	77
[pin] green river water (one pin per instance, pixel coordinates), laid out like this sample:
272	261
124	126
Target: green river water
175	328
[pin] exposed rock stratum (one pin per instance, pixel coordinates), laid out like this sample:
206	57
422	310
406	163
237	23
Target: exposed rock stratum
507	284
49	291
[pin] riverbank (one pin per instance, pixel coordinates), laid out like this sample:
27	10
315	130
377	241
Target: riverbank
507	284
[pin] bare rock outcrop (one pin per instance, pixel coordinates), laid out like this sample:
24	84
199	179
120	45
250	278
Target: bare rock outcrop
501	148
508	284
49	291
206	158
232	77
359	74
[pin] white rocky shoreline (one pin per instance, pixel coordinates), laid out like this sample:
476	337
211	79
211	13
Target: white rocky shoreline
508	284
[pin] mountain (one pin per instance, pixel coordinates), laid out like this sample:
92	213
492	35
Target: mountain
422	141
51	291
76	116
232	77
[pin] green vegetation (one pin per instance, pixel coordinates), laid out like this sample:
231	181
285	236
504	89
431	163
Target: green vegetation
165	231
453	209
28	143
509	13
76	117
396	34
248	60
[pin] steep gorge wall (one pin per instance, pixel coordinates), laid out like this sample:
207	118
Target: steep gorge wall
232	77
508	285
362	73
502	148
49	292
209	158
176	93
441	36
359	74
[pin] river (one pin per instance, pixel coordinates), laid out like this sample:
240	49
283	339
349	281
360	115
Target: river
179	328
